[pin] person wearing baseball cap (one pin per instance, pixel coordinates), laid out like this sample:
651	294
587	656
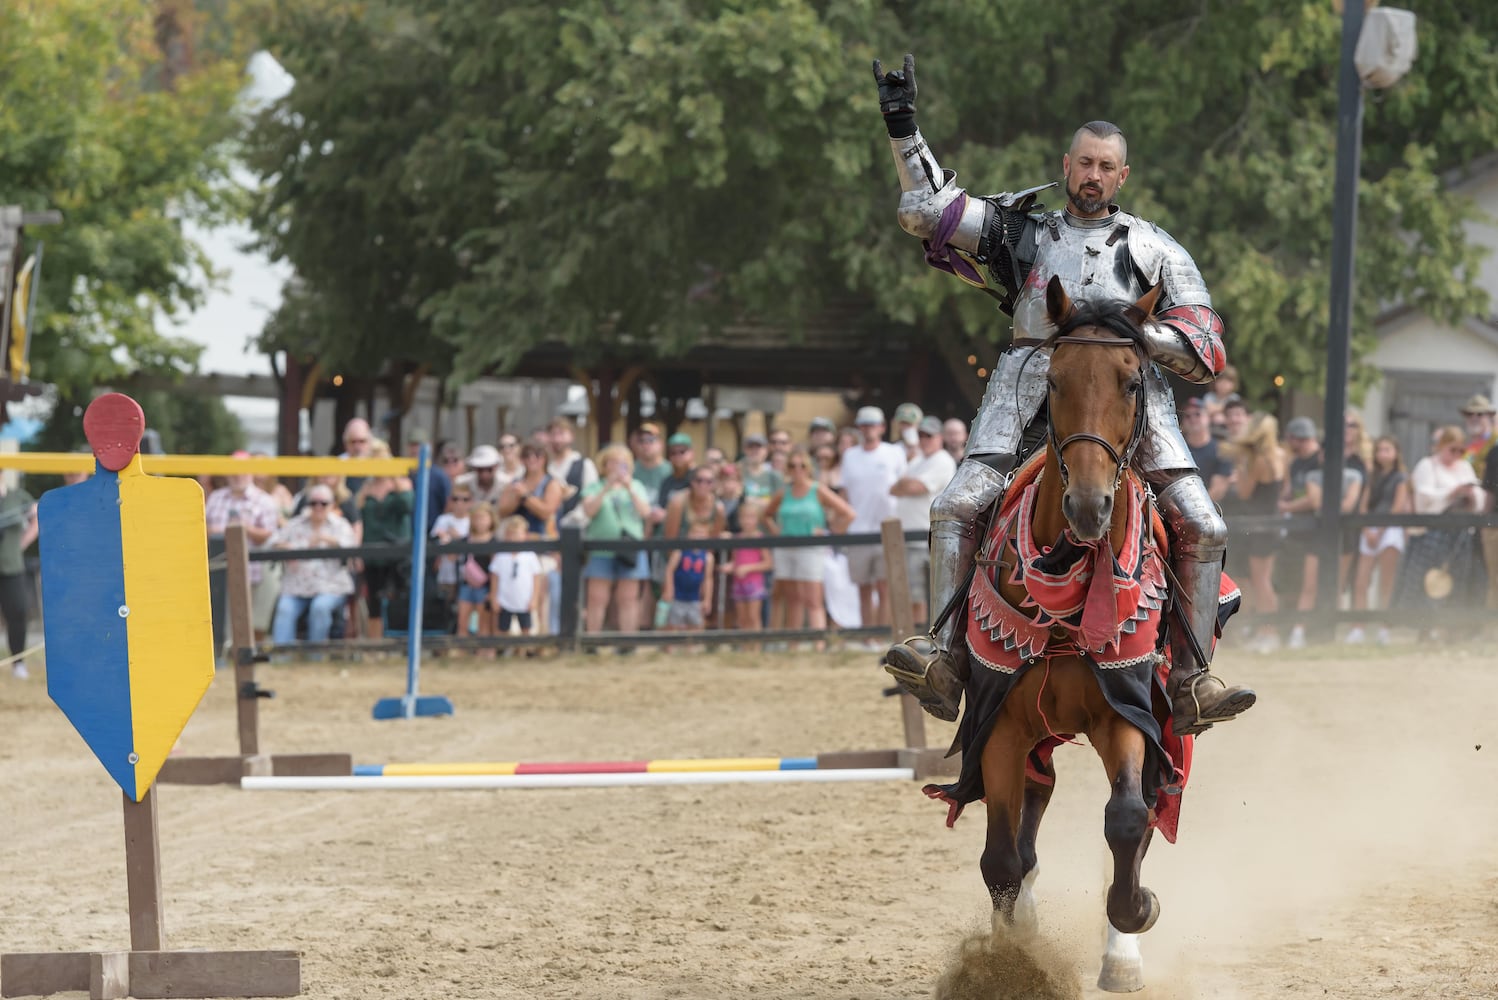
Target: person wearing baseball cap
925	476
903	429
682	458
821	432
869	470
1302	496
648	444
1477	417
759	477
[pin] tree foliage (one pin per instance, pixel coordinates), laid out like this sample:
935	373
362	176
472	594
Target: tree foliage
109	113
457	183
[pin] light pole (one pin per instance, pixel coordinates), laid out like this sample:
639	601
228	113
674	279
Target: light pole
1381	60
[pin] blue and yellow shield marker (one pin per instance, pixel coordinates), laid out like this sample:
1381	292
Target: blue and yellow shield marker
125	591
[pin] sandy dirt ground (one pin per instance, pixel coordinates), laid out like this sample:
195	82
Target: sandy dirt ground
1339	841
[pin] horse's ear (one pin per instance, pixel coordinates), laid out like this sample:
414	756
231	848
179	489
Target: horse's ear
1057	302
1145	307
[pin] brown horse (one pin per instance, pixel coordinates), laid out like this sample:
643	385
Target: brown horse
1081	501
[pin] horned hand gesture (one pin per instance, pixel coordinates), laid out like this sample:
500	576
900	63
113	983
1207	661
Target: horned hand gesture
897	87
897	97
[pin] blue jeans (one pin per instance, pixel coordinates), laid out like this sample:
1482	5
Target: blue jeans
319	618
554	601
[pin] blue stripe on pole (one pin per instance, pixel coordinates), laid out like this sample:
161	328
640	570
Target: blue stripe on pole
798	763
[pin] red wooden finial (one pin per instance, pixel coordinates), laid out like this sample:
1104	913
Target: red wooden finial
113	424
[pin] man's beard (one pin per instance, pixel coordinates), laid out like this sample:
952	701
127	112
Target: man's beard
1086	203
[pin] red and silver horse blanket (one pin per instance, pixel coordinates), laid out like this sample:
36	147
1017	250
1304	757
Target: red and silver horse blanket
1081	599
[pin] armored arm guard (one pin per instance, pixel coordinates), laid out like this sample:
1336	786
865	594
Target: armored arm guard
1187	340
1186	335
927	192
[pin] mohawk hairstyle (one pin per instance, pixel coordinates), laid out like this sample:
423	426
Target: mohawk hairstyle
1103	130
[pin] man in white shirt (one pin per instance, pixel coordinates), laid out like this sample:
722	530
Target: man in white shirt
869	470
567	465
925	477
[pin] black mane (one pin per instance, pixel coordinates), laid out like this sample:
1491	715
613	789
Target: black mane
1112	315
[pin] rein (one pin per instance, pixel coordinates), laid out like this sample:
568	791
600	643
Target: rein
1136	435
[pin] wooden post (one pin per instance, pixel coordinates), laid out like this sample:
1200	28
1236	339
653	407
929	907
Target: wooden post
925	761
902	622
143	874
242	637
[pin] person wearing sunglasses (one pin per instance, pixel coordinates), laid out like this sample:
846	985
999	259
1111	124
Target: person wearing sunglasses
317	588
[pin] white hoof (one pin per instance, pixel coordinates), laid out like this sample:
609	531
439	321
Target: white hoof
1026	921
1123	968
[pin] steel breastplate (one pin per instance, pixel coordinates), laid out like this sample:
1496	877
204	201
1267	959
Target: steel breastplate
1091	269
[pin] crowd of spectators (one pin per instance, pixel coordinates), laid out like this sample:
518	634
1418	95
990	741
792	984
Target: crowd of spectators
838	480
1267	482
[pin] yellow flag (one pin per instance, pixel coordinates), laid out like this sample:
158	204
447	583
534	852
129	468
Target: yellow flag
20	309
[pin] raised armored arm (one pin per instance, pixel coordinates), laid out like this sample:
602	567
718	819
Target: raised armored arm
926	190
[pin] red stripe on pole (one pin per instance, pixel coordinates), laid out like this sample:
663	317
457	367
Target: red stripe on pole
585	767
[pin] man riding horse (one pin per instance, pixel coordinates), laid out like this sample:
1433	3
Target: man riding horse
1098	252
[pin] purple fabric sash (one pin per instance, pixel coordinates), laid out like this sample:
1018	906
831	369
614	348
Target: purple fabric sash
939	254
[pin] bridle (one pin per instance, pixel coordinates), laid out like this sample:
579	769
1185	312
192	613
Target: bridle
1136	435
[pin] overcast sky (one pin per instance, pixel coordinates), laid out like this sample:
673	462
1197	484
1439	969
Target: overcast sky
235	313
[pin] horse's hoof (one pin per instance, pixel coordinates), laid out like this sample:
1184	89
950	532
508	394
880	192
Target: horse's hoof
1123	968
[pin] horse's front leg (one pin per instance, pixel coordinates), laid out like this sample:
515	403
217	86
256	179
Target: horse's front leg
1132	909
1040	782
1004	791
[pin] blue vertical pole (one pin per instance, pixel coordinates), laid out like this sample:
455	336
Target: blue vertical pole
412	704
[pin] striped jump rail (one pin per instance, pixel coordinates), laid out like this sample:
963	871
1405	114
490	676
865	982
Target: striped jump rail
872	765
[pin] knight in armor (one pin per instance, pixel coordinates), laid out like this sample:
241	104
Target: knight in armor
1007	245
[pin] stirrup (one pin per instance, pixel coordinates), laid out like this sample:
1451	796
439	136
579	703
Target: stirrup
1235	702
924	676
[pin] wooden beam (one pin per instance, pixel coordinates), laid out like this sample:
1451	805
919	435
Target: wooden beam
25	974
311	765
902	622
143	873
242	637
166	974
153	975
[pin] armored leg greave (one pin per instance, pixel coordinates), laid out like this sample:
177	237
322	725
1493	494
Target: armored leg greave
1198	543
954	532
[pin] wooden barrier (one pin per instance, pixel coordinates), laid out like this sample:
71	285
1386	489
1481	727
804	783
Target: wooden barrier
129	657
248	695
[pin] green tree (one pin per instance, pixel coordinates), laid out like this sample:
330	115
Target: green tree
457	184
109	113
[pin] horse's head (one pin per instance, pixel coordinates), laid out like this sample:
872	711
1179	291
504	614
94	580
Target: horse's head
1096	401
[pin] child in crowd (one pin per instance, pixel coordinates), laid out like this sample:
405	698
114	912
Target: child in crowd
688	587
473	581
452	526
513	593
749	568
